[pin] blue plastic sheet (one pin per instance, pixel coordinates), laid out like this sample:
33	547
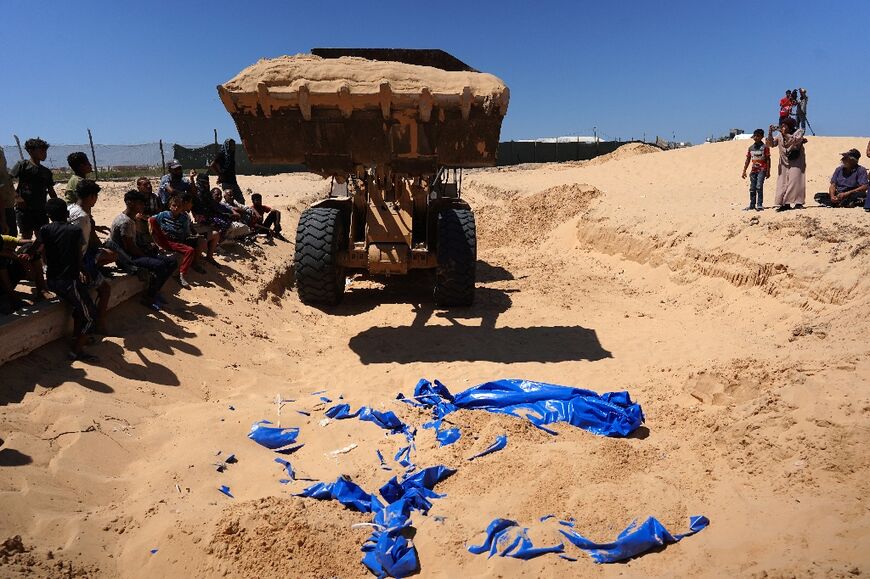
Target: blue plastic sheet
272	437
448	436
513	540
387	552
346	492
386	420
609	414
403	457
287	466
500	443
226	490
444	437
634	540
416	489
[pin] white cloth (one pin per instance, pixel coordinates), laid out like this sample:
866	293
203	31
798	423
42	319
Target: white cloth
79	218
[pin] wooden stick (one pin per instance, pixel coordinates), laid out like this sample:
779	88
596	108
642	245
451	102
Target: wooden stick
93	155
20	151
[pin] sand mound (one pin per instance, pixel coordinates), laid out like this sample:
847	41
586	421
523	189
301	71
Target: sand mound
18	560
626	151
360	76
274	537
529	219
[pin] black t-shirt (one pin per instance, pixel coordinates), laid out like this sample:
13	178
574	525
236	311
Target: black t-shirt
63	248
226	168
35	183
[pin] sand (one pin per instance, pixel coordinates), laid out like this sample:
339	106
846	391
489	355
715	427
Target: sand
741	334
360	76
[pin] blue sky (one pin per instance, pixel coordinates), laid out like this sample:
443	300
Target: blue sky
137	71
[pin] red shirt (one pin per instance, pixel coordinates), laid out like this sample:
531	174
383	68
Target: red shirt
785	105
759	155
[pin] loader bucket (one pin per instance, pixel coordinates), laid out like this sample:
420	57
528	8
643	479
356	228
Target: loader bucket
334	114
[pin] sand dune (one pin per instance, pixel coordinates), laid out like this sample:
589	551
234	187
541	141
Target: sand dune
741	334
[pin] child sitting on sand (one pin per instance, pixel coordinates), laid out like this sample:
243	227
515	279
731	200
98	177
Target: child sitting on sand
62	243
759	155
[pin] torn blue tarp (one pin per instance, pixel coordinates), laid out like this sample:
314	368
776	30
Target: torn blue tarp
272	437
403	457
386	420
500	443
287	466
513	540
416	489
609	414
448	436
387	552
346	492
226	490
634	540
444	437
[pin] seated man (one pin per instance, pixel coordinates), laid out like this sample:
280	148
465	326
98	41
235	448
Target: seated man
20	259
136	249
152	204
171	231
175	183
848	183
271	223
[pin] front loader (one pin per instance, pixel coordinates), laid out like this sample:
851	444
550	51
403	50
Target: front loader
393	128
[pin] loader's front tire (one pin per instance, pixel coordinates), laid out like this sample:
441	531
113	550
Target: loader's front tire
457	258
319	278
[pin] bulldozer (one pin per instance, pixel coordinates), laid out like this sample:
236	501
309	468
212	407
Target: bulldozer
393	129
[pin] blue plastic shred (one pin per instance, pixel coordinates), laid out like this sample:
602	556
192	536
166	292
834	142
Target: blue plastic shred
226	490
448	436
304	412
609	414
325	399
382	461
416	489
519	545
387	552
500	443
634	540
346	492
153	551
318	392
287	466
272	437
403	457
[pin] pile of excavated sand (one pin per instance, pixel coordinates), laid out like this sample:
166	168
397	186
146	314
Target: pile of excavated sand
360	76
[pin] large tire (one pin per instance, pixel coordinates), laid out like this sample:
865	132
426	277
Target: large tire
319	278
457	258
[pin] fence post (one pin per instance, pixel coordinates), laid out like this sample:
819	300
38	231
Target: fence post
215	138
93	155
18	142
162	158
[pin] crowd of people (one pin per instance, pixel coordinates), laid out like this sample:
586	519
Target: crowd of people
54	241
848	185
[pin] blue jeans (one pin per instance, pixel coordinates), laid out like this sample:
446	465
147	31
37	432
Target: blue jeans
160	267
756	189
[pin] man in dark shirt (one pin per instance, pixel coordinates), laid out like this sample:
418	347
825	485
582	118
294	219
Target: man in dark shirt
848	183
35	183
62	244
224	165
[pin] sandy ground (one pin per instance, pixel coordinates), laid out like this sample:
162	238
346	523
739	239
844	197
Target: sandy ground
743	335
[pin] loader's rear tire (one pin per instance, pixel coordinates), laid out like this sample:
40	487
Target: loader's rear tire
319	237
457	258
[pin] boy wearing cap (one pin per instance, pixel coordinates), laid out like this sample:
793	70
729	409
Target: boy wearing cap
35	184
848	183
759	155
139	251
